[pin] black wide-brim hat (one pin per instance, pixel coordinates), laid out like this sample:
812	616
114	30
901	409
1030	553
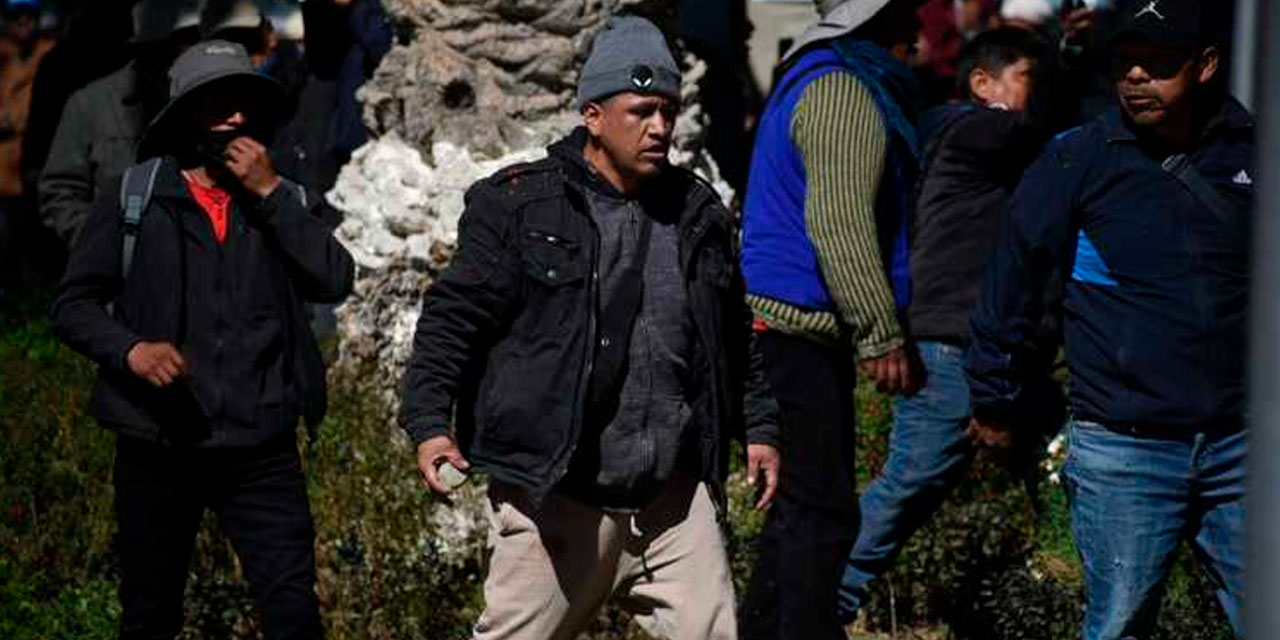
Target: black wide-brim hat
210	66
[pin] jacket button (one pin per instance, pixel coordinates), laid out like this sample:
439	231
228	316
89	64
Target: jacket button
605	342
551	273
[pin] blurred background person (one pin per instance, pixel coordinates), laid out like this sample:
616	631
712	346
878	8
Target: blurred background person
22	47
103	122
94	39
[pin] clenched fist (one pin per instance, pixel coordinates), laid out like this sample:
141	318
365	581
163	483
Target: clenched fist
156	362
249	162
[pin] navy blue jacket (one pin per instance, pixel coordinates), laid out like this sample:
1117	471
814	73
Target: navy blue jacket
1155	308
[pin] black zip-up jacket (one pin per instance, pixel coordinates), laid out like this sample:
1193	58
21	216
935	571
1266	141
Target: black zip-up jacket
1157	294
507	333
234	310
973	161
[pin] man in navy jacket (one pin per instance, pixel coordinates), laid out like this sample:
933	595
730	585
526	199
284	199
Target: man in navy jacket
1148	211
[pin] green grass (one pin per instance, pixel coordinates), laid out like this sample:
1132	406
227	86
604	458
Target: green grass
992	564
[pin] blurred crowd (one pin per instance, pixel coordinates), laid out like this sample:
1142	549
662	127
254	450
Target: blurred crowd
95	73
943	198
81	80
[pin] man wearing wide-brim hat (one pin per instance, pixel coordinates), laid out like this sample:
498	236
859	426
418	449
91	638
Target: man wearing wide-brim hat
186	286
825	260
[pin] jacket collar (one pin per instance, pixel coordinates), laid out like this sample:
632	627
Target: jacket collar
169	181
171	184
577	171
1231	116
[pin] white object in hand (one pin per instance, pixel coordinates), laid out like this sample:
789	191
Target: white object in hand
451	476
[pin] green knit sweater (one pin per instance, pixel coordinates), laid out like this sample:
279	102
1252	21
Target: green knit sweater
843	146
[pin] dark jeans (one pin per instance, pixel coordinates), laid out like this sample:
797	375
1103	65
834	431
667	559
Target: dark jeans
1134	498
928	452
813	522
260	497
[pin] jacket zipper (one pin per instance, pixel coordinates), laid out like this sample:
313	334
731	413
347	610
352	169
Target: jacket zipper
588	362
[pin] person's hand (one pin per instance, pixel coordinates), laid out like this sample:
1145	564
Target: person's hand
431	454
763	460
1077	23
249	162
156	362
892	373
987	434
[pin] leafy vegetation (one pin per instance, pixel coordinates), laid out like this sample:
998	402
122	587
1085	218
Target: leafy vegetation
995	563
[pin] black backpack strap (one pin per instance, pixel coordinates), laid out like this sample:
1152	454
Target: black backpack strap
135	194
1180	166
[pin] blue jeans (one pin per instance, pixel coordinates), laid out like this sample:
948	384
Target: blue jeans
928	451
1134	497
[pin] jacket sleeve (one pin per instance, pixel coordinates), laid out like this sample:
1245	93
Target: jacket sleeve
371	31
1034	243
92	280
843	146
371	39
320	266
66	183
462	314
1003	143
760	406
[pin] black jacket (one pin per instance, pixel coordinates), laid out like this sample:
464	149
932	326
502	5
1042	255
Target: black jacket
507	333
234	310
973	161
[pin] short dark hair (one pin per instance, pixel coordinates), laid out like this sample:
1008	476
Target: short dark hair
994	50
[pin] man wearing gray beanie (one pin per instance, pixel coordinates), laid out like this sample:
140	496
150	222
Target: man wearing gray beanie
589	350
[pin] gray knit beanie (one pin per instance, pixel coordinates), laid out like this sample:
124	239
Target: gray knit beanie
629	54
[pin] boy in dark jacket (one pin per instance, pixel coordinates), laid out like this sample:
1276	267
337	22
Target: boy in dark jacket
194	315
1148	209
974	156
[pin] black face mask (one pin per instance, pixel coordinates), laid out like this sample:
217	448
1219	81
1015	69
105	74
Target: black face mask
211	148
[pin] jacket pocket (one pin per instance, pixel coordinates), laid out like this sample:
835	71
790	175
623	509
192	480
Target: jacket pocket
551	259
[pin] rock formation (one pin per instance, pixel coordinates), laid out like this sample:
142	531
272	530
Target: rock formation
472	86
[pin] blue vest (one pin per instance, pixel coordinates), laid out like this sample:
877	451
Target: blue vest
778	259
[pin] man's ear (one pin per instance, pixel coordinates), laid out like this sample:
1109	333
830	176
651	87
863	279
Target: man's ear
981	84
1209	60
593	118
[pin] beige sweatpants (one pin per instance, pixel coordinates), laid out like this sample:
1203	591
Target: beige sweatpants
553	568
